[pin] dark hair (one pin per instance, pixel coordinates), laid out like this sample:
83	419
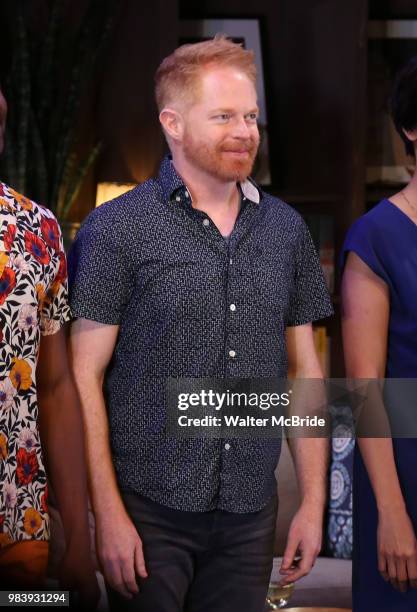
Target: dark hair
403	102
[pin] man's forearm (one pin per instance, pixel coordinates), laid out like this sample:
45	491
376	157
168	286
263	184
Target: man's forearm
311	457
104	490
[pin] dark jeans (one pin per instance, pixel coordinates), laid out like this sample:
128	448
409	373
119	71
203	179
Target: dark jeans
213	561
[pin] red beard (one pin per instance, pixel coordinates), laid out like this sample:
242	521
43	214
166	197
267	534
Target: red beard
219	161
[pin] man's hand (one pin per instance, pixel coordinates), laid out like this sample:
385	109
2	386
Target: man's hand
304	538
311	456
119	550
76	573
397	549
119	547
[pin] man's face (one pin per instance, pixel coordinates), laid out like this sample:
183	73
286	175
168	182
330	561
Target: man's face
220	129
3	113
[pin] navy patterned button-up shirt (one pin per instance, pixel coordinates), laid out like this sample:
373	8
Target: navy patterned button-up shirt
191	304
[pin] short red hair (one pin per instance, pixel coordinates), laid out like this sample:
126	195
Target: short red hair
177	77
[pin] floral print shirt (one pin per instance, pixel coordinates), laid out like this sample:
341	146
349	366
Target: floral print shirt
33	302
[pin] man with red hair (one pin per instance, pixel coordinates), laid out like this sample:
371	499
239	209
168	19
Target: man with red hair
197	273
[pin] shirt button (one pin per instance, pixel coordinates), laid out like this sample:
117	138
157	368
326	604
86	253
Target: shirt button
206	222
231	261
232	353
227	446
178	199
187	195
232	307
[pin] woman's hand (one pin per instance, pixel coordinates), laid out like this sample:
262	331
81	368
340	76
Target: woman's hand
397	549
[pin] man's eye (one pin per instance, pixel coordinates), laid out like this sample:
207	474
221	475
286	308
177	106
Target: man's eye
223	117
252	117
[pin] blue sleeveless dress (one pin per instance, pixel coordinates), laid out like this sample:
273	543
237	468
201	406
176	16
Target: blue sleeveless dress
386	240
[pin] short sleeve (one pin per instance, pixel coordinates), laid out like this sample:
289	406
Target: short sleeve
99	274
53	299
310	299
362	240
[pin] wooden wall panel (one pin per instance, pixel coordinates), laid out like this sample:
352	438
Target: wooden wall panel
127	116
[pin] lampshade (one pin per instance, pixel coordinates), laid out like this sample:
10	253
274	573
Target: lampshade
108	191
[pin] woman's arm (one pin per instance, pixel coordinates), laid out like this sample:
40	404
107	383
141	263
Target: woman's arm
365	316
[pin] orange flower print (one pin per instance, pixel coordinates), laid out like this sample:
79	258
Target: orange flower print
22	200
32	521
4	260
21	374
53	291
41	294
5	203
3	446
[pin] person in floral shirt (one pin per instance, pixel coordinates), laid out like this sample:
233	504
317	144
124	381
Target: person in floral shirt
38	401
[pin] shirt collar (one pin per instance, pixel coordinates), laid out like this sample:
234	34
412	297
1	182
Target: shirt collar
171	184
250	190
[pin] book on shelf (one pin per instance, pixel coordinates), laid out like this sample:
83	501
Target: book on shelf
322	232
322	344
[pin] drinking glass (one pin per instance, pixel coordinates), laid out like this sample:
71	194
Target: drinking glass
278	595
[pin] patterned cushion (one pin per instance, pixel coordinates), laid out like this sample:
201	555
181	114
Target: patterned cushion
339	526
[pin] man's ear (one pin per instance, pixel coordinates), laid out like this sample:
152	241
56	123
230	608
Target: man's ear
172	123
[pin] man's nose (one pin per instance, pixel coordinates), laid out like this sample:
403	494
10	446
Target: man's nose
240	128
